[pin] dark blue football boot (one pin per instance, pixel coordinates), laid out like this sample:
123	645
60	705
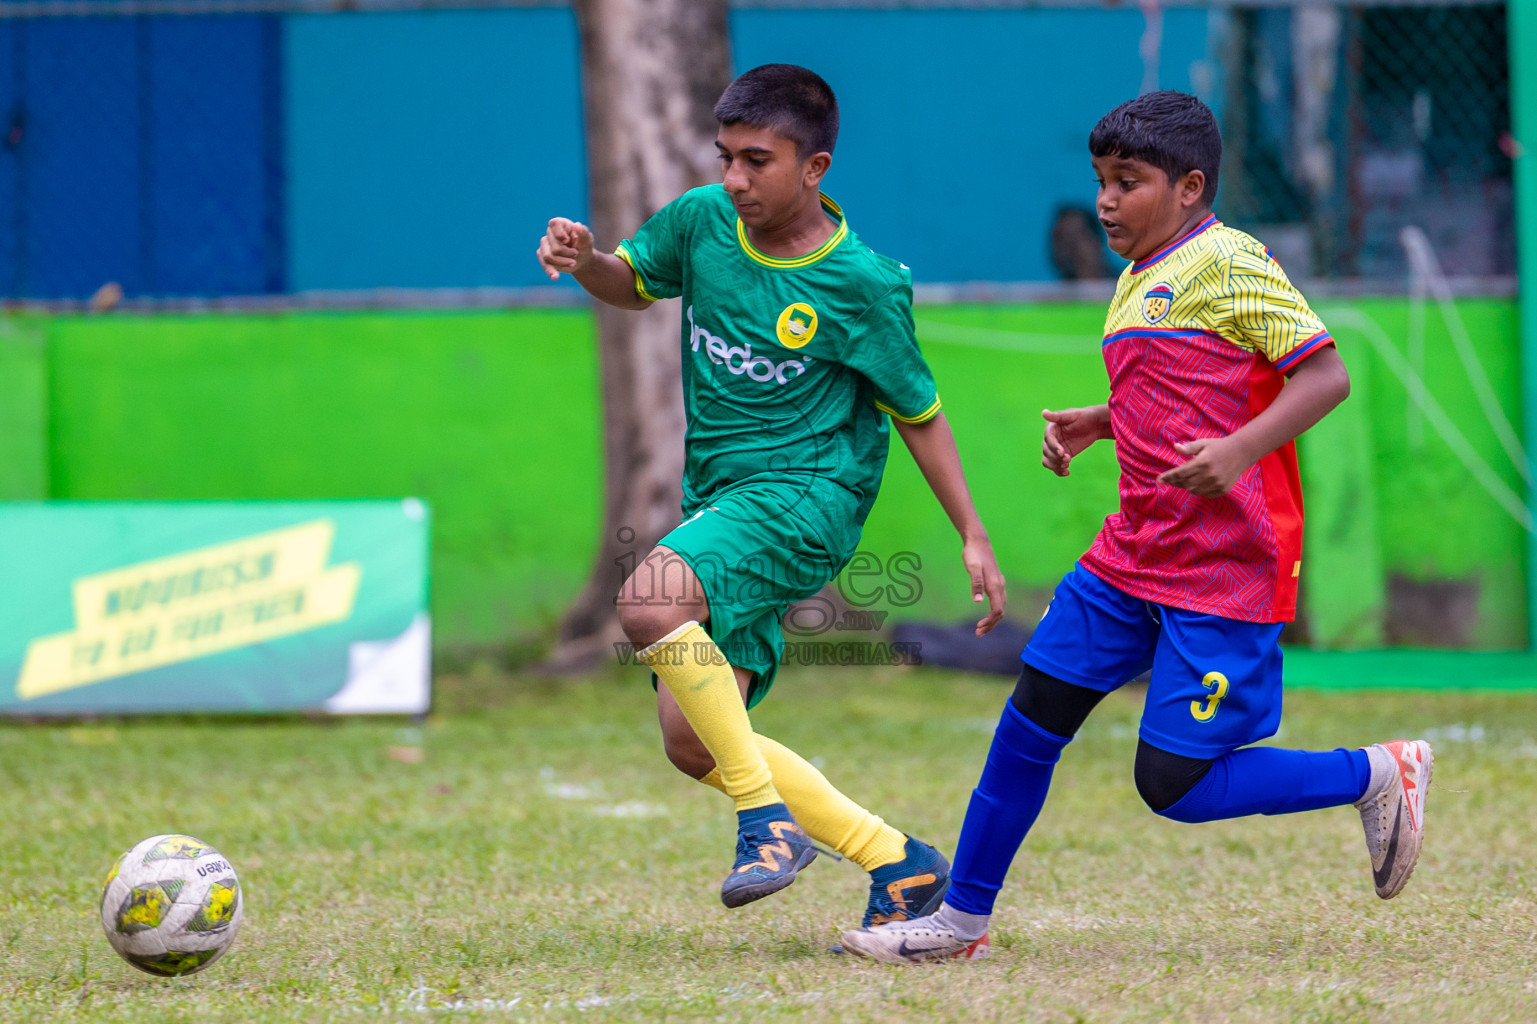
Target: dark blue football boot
770	849
912	887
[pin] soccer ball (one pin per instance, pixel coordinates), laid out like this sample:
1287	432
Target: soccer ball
171	905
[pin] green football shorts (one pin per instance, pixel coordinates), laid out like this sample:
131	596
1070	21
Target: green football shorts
757	548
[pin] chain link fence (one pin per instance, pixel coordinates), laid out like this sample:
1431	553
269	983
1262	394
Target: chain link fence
145	147
1346	124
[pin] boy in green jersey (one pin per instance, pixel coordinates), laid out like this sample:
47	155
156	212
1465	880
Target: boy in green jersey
797	345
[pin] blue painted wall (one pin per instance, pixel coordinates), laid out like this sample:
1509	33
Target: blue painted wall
142	151
216	178
12	213
77	163
964	129
241	155
429	149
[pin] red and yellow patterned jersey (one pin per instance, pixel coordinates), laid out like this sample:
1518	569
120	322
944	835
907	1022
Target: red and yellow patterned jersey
1196	342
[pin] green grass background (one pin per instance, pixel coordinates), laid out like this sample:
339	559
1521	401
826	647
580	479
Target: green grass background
543	862
494	418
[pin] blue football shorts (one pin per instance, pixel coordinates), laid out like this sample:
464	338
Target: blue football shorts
1216	682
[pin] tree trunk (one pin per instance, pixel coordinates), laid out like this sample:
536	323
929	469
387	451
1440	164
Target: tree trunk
651	73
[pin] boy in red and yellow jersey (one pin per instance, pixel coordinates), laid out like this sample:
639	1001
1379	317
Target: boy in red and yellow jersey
1216	364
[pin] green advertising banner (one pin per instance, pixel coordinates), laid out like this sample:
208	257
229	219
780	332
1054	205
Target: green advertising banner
110	607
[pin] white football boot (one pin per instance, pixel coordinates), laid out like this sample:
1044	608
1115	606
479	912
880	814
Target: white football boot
913	941
1393	811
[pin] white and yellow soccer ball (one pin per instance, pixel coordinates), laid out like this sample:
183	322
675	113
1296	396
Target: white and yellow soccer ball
171	905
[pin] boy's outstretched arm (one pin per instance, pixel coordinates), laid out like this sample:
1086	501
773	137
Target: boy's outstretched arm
1316	386
933	448
566	248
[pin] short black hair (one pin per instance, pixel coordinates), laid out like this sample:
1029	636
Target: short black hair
787	98
1173	131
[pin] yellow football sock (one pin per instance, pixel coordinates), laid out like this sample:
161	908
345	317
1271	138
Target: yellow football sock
887	846
697	675
828	816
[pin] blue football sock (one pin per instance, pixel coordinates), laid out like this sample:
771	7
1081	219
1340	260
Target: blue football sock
1003	807
1266	780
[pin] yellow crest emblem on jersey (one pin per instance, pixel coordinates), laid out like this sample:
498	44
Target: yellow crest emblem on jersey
1156	305
797	325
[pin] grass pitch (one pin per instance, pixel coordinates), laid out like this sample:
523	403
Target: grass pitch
543	862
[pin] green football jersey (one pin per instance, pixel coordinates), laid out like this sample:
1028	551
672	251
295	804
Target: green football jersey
790	366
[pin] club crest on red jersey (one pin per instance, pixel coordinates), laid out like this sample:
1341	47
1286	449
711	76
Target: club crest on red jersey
1156	305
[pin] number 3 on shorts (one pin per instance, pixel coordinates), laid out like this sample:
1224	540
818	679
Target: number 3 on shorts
1216	682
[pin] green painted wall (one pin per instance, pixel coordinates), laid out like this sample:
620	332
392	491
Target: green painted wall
23	411
490	417
1443	538
1435	523
493	418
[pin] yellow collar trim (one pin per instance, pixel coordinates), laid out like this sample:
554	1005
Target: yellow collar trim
799	261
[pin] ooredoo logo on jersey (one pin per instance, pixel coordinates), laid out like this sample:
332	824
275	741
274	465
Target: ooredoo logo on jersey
740	360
